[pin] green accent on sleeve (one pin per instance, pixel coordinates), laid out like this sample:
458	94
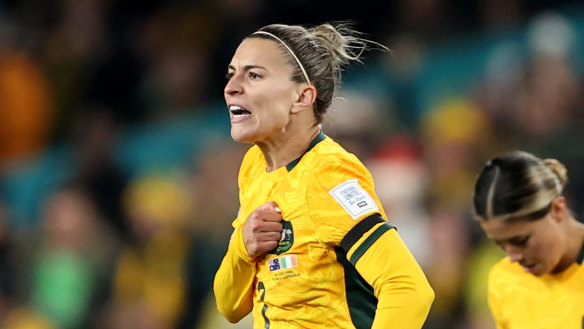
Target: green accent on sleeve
369	241
265	308
361	300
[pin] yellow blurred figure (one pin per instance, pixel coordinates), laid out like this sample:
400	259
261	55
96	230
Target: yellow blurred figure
24	318
158	198
456	120
151	271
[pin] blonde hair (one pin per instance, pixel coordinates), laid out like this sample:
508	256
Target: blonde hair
318	55
518	185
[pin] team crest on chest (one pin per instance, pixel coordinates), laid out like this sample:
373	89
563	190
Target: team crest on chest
287	239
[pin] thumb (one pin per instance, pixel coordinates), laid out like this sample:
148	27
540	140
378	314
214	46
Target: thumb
273	206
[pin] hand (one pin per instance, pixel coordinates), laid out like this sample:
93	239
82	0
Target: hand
262	229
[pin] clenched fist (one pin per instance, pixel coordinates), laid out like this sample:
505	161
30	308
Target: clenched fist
262	229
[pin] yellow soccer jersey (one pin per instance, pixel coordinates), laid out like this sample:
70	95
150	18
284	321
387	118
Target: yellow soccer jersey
520	300
338	261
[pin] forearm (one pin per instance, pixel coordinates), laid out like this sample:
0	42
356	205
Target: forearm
233	285
403	292
403	304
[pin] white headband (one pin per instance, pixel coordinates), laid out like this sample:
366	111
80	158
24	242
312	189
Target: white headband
289	49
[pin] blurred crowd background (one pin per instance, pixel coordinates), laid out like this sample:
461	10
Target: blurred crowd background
118	179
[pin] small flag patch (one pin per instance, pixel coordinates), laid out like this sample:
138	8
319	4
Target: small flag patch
282	263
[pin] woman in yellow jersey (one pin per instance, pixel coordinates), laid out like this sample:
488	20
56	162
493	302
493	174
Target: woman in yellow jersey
519	204
311	246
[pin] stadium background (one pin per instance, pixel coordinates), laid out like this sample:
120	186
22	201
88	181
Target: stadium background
118	177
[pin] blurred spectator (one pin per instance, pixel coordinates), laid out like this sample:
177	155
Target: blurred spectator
498	14
357	120
402	180
215	189
149	283
175	44
94	136
8	275
552	91
402	70
482	259
542	110
25	318
68	264
214	185
26	103
454	135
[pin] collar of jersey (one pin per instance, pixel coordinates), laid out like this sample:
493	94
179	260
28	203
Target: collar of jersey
315	141
581	256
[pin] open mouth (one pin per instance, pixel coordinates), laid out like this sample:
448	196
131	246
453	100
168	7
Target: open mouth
529	268
238	111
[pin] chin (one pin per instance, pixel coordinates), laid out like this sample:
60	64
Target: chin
543	271
240	137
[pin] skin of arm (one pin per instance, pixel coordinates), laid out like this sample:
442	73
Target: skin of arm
403	292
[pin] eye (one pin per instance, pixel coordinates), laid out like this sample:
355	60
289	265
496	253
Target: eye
229	75
253	75
520	242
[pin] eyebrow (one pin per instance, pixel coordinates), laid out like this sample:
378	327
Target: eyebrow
246	67
512	239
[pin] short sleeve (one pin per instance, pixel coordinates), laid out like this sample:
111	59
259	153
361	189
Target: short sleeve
340	195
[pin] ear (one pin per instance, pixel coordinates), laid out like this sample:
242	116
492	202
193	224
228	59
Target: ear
305	98
559	208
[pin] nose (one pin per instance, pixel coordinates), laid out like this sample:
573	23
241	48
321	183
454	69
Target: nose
233	86
515	255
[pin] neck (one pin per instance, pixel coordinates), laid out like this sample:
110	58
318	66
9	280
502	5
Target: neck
278	152
575	241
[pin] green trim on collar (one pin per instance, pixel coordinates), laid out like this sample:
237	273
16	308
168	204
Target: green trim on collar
581	256
315	141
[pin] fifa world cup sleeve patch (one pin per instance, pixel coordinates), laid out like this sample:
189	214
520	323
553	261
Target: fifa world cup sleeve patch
354	199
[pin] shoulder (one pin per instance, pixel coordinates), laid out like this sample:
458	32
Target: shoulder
340	178
331	166
329	156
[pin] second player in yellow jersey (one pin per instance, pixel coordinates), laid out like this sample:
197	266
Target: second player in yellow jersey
519	204
521	300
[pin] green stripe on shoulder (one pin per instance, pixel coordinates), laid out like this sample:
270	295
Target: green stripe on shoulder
369	241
